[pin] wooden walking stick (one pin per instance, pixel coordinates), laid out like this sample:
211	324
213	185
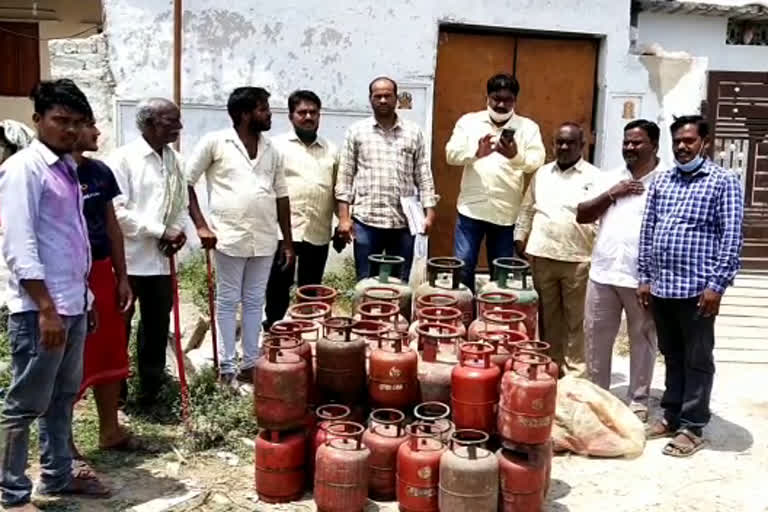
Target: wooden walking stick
177	339
212	311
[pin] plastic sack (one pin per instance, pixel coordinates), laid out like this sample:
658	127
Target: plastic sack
591	421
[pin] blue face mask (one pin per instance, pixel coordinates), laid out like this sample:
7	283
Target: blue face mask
690	166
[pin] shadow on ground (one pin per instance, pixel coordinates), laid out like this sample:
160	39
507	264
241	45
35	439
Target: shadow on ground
726	436
723	435
130	482
558	489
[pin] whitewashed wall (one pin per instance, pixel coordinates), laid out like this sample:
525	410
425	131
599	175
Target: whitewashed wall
334	48
701	36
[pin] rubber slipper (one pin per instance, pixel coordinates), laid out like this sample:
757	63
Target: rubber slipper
675	448
81	469
658	429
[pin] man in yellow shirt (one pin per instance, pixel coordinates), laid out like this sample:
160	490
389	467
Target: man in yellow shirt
497	148
310	163
558	247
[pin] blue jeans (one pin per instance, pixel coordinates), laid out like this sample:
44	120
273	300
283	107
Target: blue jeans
394	242
469	234
43	386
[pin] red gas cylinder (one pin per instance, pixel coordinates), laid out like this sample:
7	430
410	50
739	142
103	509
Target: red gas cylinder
418	470
539	347
312	311
279	464
384	312
475	388
500	319
341	470
444	276
523	477
369	332
503	343
280	390
393	378
386	294
437	361
324	415
436	314
434	300
495	301
435	416
316	293
341	363
527	402
296	345
383	438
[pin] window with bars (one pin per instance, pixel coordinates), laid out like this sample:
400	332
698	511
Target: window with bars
747	32
19	58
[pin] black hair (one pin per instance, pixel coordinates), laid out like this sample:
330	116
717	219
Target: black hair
503	81
244	100
370	85
297	97
702	126
62	92
649	127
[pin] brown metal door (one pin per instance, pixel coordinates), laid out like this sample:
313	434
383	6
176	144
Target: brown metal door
738	107
557	83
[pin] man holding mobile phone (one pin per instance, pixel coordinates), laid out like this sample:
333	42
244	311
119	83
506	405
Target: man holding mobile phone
497	149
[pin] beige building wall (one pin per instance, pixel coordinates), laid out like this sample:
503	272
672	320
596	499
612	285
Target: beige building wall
57	19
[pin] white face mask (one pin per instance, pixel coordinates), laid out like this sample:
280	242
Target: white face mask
499	117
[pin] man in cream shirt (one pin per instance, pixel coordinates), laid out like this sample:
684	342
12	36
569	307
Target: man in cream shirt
248	197
151	211
494	177
558	247
310	163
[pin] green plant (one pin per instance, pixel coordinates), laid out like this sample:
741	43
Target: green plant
5	350
219	417
193	278
343	280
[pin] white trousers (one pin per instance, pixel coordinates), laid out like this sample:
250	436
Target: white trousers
240	280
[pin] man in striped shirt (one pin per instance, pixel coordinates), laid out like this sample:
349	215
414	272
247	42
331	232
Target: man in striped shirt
690	243
384	158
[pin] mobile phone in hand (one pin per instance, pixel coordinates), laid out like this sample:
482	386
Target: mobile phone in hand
508	134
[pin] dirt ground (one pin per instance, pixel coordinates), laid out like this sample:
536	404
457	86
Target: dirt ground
728	476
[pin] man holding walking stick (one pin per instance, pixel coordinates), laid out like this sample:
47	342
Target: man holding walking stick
150	210
248	198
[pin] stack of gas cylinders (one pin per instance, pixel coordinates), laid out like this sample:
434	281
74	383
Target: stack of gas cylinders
434	398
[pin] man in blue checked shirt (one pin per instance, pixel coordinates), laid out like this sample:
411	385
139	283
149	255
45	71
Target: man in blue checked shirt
690	243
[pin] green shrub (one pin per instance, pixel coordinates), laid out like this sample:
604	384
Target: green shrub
193	279
343	280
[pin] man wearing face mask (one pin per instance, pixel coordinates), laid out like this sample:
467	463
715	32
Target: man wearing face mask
690	243
497	149
248	199
310	173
